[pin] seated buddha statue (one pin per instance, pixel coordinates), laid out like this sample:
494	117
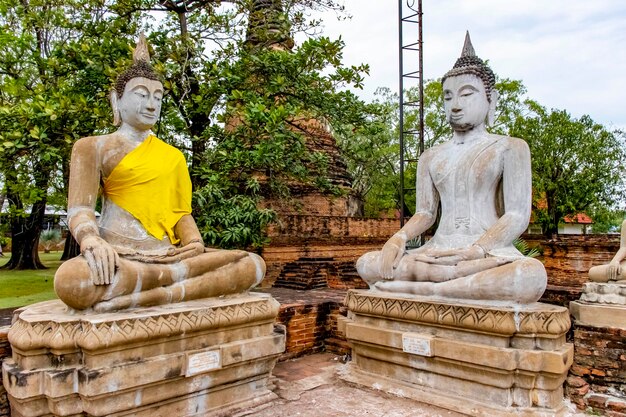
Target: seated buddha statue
146	248
615	270
482	183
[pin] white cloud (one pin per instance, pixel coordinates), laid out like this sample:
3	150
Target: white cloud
570	54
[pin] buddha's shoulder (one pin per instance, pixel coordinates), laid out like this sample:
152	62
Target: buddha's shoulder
508	141
110	140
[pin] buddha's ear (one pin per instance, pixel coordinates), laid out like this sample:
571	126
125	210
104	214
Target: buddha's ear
117	120
491	114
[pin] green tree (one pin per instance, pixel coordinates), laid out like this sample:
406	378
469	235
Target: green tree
242	96
577	164
55	63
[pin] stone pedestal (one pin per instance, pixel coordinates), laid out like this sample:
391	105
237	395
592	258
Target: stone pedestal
601	305
479	359
197	358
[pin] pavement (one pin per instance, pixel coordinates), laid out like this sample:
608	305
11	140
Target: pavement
309	387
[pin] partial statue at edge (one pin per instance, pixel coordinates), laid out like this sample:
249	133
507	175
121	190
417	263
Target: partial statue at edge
483	183
615	271
146	249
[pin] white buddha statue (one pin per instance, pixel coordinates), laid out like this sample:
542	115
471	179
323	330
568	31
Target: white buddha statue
483	184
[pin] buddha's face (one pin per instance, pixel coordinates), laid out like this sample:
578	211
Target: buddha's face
465	102
140	104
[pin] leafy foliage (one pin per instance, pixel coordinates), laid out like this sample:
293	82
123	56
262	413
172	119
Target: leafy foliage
522	246
55	63
577	164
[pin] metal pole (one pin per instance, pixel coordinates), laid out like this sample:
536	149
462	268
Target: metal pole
401	110
421	86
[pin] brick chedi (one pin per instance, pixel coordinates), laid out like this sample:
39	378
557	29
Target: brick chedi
315	241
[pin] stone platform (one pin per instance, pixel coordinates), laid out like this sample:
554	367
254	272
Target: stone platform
477	359
198	358
601	305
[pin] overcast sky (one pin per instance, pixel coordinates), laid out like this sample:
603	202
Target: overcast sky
570	54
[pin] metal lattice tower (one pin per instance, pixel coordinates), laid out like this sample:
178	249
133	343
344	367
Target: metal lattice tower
411	74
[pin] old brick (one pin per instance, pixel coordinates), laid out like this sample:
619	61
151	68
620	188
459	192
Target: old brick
598	372
576	382
597	400
578	391
579	370
616	404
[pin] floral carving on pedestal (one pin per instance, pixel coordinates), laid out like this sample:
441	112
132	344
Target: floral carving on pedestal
35	329
499	319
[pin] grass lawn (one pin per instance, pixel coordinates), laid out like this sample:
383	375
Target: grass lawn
20	288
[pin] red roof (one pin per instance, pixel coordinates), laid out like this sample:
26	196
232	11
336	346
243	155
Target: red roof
580	218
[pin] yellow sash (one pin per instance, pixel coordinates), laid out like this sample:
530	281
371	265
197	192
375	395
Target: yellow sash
152	183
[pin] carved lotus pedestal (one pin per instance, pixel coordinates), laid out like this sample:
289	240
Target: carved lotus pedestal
601	305
478	359
198	358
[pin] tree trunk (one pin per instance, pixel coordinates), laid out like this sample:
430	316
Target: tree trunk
25	230
552	229
25	240
71	249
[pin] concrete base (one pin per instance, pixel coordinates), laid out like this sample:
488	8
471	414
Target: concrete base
602	304
599	315
199	358
478	359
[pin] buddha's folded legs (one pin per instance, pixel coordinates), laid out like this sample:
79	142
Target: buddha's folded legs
410	269
223	270
522	281
233	278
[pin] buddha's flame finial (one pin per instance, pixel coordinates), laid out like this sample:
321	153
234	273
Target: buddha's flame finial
141	52
468	48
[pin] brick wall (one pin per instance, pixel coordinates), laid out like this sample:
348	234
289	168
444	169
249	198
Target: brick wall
312	328
338	262
597	379
568	259
5	352
300	228
310	319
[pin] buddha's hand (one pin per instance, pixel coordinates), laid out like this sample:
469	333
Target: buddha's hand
101	258
451	256
391	254
190	250
614	270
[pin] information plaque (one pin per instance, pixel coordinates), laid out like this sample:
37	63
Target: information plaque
417	344
198	363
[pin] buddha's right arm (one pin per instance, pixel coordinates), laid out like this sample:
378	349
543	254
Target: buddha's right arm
83	189
424	217
83	192
427	200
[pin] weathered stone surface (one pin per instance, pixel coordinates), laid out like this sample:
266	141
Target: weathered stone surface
604	293
193	358
601	315
479	359
601	305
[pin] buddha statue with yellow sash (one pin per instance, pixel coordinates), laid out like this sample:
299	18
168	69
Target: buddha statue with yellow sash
146	248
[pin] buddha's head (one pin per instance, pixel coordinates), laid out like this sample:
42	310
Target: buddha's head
136	97
469	91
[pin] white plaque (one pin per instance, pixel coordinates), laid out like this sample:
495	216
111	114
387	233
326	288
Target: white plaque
203	362
417	344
